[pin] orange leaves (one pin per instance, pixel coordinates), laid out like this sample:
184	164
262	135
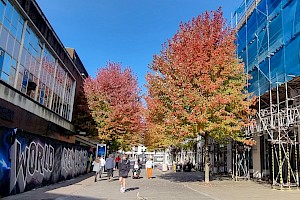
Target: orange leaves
197	79
249	142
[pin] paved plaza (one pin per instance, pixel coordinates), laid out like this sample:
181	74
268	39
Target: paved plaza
164	186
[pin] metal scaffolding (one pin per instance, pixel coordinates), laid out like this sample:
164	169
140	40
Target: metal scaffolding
266	34
240	161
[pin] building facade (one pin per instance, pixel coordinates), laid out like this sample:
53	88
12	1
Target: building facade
39	80
268	43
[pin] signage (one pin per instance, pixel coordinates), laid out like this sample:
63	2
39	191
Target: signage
101	150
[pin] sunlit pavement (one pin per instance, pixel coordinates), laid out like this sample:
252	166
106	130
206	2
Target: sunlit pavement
164	185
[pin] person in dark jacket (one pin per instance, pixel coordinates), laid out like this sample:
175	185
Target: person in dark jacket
109	165
124	168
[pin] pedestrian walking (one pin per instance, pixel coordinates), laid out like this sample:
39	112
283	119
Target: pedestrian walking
109	166
96	167
149	166
102	164
139	161
136	171
124	168
117	160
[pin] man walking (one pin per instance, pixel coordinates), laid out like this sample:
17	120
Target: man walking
109	165
117	160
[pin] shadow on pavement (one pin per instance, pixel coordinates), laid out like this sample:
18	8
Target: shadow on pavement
49	196
60	197
140	177
43	191
192	177
114	179
182	176
220	178
132	188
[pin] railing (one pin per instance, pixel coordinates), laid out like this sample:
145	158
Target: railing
283	118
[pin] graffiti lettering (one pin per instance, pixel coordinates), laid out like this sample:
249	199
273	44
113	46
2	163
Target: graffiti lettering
34	160
73	162
29	161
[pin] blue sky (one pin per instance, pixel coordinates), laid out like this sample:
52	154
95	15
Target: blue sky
126	31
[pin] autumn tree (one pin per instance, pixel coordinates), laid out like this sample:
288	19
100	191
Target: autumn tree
113	98
197	85
83	119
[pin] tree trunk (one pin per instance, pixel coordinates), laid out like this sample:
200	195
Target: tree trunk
206	179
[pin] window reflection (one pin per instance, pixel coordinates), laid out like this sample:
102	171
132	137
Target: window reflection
52	86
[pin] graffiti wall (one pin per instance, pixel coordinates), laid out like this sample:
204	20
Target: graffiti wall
29	161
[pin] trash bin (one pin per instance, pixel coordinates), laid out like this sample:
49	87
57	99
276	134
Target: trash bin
187	167
178	167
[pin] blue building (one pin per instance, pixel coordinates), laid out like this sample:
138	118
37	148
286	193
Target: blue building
268	44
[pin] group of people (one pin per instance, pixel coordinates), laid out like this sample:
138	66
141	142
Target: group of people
122	164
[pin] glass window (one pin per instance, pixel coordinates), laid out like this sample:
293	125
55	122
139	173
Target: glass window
5	77
15	24
16	50
6	23
19	29
47	96
2	7
42	93
13	63
12	74
24	52
19	81
24	80
13	31
27	60
8	11
67	97
6	63
27	38
47	76
3	38
31	85
32	43
15	18
56	104
10	44
20	77
1	61
8	70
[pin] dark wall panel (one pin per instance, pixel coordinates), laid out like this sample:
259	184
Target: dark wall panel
29	161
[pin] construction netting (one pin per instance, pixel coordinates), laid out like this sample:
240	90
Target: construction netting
268	42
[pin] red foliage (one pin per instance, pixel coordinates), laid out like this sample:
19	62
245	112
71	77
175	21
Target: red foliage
113	97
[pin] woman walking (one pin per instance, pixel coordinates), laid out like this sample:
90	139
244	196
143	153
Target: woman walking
96	167
149	166
124	168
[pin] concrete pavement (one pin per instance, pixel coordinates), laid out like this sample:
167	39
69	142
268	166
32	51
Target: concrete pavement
164	185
